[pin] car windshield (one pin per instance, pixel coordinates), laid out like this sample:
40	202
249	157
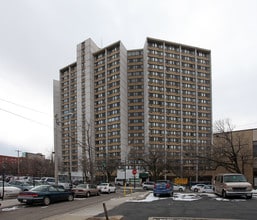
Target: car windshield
5	183
234	178
82	185
103	184
26	184
39	188
162	181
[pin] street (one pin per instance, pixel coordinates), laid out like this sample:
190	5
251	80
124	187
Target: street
189	204
25	212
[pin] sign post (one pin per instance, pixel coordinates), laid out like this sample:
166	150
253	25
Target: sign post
134	172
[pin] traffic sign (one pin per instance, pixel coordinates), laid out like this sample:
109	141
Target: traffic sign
134	171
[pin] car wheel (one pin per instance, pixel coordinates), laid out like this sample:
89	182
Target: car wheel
145	188
195	190
70	197
98	193
88	194
114	191
249	197
154	194
46	201
180	190
109	191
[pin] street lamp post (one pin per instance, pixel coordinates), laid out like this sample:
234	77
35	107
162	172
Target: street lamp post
18	161
70	155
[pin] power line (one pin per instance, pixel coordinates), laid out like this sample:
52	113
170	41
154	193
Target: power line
23	106
24	117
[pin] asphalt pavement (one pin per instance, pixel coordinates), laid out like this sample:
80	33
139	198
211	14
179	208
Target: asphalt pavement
87	212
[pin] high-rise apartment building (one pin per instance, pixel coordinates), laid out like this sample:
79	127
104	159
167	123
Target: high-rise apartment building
116	107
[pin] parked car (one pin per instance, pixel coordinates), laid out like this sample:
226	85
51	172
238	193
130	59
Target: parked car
196	187
206	189
232	184
86	190
49	180
163	187
9	191
23	185
149	185
45	194
179	188
106	188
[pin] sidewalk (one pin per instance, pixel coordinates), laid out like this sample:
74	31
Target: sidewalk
8	203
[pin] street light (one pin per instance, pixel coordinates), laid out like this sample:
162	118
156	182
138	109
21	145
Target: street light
70	157
18	161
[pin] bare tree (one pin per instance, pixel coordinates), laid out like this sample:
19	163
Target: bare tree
107	168
87	159
230	149
154	163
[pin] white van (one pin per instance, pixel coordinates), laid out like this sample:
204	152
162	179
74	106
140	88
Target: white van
232	184
121	182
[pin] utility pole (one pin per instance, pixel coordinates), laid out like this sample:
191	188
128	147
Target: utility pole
18	151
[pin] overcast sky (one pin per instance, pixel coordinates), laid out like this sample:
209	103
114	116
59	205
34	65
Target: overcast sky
39	37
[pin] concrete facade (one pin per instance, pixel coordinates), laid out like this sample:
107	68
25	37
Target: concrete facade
121	104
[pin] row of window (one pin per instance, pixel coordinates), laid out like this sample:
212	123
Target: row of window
135	67
135	80
135	53
135	94
133	121
184	78
136	128
176	98
135	100
177	56
151	73
166	46
177	140
184	71
135	60
135	87
110	154
177	70
138	73
155	109
136	114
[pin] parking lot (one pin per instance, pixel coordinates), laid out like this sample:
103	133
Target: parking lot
143	205
188	206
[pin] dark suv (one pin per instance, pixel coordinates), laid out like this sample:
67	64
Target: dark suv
163	187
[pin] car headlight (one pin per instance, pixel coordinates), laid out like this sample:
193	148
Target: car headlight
228	188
